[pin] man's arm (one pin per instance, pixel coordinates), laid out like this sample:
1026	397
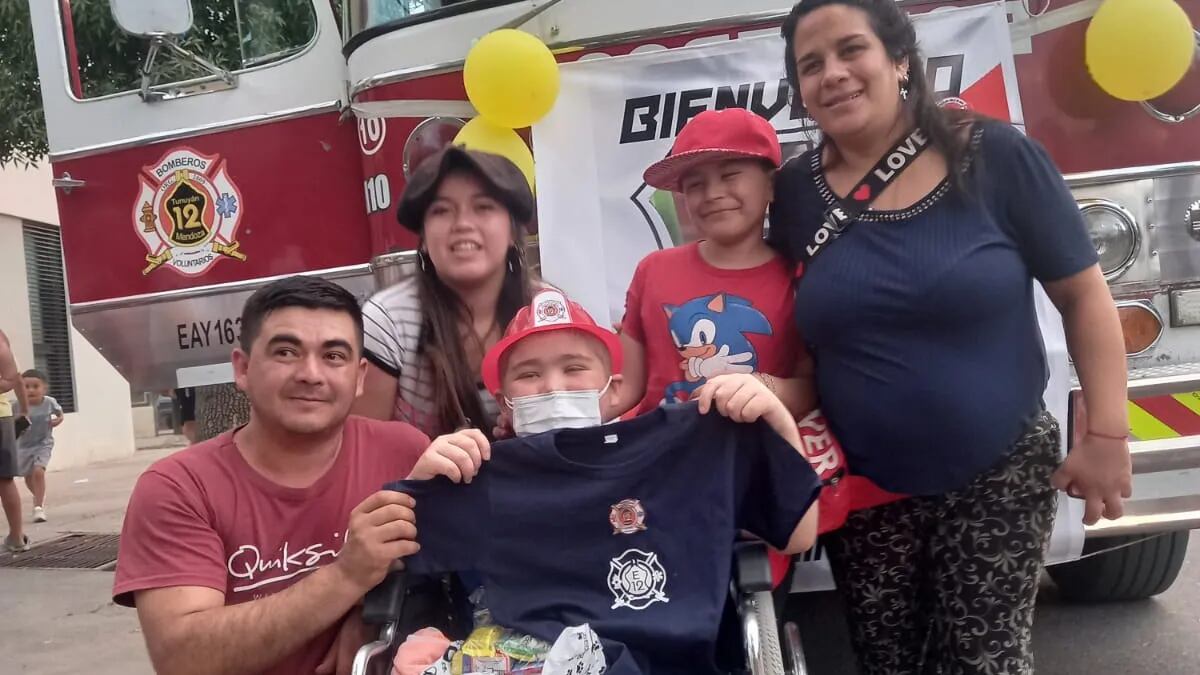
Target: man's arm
10	375
189	629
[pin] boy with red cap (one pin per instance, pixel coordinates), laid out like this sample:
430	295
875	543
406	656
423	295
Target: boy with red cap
722	304
628	527
725	304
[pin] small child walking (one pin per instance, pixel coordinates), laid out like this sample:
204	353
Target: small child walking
35	445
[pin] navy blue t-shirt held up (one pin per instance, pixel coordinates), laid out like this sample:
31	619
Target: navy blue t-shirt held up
628	527
921	322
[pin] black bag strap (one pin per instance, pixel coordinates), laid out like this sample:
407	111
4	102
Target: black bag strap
845	211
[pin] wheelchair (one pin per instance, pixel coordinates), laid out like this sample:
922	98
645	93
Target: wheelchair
764	650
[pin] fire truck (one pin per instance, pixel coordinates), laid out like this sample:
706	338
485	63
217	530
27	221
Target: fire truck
182	190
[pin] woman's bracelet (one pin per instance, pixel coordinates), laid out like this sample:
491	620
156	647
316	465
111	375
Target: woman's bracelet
1110	437
767	381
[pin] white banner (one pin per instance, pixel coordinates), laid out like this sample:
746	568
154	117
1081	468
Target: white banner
617	115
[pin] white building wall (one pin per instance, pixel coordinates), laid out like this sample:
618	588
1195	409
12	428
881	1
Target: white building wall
28	194
102	427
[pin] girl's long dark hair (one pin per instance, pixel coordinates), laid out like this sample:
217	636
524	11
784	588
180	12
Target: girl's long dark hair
895	30
455	386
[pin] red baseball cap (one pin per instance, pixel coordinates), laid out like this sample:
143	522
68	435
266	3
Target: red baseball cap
549	310
732	133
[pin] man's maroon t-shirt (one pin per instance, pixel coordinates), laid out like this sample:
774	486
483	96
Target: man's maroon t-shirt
204	517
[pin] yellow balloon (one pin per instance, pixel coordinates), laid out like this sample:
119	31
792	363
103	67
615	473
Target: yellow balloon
480	134
1139	49
511	78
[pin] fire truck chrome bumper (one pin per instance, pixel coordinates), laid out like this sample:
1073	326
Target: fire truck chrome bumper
1148	516
1175	458
1161	514
1168	454
1163	380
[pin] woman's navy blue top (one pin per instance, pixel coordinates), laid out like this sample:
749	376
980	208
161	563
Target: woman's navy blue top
929	361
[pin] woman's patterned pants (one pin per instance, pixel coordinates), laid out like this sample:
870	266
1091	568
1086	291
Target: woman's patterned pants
946	584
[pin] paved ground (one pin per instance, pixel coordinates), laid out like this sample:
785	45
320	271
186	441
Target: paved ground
56	622
62	622
1160	636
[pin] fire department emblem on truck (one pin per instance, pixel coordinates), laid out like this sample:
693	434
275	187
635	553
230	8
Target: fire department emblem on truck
187	213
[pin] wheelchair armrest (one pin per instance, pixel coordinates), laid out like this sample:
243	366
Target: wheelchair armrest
752	570
383	604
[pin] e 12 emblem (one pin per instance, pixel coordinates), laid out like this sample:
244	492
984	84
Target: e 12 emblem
637	580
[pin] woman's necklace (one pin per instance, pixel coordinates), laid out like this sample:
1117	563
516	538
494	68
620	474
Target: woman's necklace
493	328
476	351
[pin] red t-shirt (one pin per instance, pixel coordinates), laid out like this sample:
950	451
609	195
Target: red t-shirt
696	321
204	517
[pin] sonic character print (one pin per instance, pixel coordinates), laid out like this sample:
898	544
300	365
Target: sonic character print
710	333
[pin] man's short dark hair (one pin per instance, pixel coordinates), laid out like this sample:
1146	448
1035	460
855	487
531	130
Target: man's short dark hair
35	373
298	291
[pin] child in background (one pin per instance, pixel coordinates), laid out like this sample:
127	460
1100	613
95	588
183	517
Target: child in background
35	445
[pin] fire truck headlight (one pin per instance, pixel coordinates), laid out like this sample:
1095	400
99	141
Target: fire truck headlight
1114	233
1141	324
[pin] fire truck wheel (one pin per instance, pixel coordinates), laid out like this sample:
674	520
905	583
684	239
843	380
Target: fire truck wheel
1142	567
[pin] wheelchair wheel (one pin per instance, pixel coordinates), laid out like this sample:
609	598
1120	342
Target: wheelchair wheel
760	630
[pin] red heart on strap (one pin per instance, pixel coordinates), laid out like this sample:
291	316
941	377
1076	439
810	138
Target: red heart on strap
862	194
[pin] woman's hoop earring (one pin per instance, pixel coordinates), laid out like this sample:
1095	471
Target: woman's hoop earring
421	260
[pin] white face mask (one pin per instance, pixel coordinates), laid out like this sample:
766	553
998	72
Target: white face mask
537	413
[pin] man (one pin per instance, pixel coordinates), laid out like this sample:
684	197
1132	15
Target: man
10	380
244	553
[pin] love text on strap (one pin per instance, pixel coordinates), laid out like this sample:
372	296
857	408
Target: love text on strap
844	211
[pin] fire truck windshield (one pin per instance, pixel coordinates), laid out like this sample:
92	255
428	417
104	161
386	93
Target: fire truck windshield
231	34
375	17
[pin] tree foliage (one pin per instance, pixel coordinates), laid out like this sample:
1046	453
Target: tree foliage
233	34
22	127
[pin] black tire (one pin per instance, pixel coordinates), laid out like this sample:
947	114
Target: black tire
1133	572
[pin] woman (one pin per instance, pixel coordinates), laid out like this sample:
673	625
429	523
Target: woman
929	362
426	336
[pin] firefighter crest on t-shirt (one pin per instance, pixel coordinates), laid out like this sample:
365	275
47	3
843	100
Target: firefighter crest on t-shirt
637	580
627	517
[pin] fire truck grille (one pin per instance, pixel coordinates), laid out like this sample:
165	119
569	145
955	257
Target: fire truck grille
78	551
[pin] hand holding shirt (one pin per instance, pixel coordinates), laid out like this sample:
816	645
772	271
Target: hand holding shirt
627	527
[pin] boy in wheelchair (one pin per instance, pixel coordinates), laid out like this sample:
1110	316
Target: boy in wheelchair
628	528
